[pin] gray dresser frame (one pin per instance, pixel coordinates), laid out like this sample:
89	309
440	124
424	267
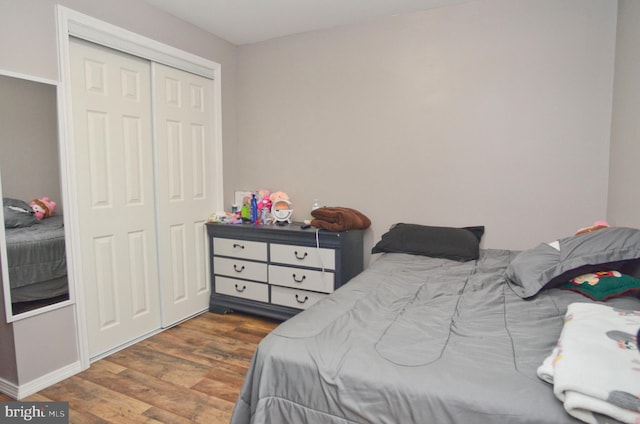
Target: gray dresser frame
348	247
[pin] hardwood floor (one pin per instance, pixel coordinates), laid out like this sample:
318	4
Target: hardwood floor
189	373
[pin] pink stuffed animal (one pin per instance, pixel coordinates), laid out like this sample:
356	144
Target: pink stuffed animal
278	195
43	207
598	225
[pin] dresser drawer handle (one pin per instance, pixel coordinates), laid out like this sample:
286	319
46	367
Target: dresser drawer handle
240	290
300	257
303	300
236	269
296	279
236	245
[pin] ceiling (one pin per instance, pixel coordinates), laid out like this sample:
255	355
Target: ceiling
249	21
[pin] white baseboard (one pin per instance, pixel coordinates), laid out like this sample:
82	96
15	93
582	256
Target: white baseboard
8	388
22	391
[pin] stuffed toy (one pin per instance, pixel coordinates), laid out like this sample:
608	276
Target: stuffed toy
261	195
278	195
265	204
593	277
598	225
43	207
262	200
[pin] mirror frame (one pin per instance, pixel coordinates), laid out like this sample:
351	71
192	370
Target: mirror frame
10	316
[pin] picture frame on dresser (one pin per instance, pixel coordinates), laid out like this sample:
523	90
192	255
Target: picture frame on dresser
277	271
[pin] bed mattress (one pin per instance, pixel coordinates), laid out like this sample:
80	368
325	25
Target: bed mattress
36	253
414	340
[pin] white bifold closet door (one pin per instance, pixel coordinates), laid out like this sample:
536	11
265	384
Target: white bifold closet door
142	139
185	190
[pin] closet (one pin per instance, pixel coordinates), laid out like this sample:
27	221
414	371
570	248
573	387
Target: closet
144	156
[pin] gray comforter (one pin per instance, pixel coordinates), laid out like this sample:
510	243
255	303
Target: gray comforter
413	340
36	253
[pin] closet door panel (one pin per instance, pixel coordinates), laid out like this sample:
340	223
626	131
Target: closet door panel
116	203
134	160
185	196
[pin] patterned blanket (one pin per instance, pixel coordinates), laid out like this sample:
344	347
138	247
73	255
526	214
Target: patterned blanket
595	368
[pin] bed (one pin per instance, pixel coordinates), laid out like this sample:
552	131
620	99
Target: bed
418	338
36	256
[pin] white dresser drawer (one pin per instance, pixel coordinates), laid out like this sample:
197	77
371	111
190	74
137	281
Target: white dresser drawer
243	289
303	256
279	262
240	269
240	248
299	278
294	298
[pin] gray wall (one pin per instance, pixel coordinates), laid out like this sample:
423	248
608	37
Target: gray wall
624	190
29	143
487	113
42	347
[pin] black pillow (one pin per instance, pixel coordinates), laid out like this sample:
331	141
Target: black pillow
458	244
17	213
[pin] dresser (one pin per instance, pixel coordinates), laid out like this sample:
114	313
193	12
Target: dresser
277	271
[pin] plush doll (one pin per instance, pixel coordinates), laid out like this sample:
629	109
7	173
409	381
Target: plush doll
278	195
262	194
265	203
43	207
598	225
593	278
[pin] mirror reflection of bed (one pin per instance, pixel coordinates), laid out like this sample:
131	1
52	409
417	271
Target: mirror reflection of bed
36	257
29	170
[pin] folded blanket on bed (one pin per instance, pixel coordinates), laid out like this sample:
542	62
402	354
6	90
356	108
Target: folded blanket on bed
339	219
595	368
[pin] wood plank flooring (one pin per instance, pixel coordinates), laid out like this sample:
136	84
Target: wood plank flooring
189	373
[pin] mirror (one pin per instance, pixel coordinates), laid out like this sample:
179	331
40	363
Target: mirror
34	276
